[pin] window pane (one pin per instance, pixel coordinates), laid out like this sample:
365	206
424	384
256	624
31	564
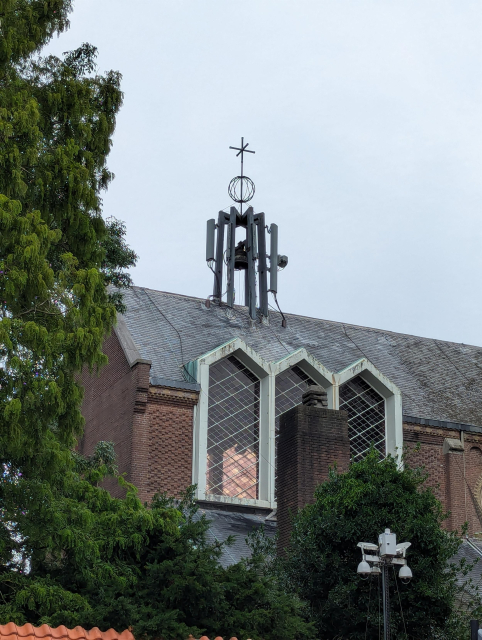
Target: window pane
366	417
233	430
290	386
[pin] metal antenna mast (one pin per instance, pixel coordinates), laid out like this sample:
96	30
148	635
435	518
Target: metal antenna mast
250	254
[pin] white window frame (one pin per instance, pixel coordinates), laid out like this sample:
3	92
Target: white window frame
391	394
266	373
260	369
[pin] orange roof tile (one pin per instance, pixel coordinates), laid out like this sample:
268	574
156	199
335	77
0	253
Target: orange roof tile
11	631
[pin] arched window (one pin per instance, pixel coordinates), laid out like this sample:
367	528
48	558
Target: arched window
233	430
290	386
366	417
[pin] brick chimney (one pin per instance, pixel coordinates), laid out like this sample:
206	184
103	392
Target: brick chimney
312	439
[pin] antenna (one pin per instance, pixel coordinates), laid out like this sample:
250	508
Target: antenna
273	258
249	255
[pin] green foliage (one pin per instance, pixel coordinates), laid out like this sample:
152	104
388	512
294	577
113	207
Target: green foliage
76	546
110	562
57	255
118	256
26	25
70	553
322	559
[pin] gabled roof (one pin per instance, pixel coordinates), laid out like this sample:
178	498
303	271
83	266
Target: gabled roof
11	631
439	380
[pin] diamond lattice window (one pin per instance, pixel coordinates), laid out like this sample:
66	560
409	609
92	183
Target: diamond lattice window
290	386
233	430
366	417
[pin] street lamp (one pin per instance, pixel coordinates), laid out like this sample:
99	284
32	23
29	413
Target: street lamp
377	559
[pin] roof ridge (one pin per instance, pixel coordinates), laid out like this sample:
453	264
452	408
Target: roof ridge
332	322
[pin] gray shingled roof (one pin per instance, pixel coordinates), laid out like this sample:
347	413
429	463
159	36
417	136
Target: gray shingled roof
471	583
439	380
239	525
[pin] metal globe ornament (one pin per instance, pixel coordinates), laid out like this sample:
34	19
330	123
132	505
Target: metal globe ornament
241	189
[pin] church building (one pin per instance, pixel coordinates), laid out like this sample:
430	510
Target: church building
194	389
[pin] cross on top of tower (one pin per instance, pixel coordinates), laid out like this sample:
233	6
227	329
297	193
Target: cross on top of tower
241	151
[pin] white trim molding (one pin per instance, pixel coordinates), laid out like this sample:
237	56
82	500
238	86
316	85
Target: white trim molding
389	391
252	361
266	373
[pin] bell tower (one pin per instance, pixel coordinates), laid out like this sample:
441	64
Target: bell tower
249	254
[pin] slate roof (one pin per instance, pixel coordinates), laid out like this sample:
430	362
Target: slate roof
471	551
237	524
439	380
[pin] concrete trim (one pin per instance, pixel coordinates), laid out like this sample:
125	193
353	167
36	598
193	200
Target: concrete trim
312	367
267	372
457	426
130	350
393	400
175	384
452	445
240	350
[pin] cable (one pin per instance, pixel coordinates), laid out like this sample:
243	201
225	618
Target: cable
351	340
169	322
217	280
284	323
368	612
379	611
400	601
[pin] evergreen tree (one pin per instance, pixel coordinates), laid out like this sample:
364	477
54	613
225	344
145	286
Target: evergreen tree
70	553
322	558
110	562
57	255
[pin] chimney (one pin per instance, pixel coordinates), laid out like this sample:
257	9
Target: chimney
312	439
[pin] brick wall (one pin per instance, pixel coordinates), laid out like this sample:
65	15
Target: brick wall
455	476
170	443
311	441
151	427
108	406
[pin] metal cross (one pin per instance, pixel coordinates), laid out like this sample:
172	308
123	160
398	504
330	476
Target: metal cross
242	151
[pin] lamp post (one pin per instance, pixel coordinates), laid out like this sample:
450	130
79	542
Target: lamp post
376	559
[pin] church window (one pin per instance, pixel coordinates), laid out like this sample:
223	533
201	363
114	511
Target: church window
366	417
233	430
290	386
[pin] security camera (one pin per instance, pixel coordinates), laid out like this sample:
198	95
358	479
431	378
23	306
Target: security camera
282	261
364	569
405	574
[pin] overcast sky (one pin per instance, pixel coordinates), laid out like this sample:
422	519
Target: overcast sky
366	121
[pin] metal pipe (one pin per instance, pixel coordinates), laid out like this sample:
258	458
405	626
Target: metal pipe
251	302
218	267
231	242
210	234
474	630
386	602
273	258
262	266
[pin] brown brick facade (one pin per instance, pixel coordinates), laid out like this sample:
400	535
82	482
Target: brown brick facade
108	407
151	427
455	475
311	440
170	417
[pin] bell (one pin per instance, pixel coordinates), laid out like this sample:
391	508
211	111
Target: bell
240	257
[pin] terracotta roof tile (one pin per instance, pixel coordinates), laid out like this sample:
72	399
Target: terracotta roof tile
11	631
